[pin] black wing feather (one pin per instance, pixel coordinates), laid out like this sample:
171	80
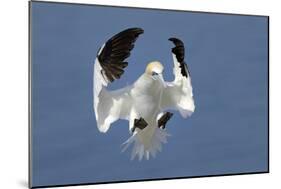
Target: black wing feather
115	51
178	50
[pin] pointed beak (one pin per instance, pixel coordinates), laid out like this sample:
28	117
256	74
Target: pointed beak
160	78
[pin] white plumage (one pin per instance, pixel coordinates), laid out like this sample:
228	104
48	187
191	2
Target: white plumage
144	102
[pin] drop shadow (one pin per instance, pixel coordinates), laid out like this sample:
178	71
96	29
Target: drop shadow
23	183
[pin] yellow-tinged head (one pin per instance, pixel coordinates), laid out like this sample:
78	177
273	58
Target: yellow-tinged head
154	71
154	67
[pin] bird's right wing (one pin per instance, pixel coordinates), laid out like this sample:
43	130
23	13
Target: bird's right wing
178	94
109	66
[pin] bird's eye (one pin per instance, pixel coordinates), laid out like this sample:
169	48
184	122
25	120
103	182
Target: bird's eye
154	73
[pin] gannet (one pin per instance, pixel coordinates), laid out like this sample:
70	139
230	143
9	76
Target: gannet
145	102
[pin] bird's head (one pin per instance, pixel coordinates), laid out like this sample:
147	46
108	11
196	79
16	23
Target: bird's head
154	70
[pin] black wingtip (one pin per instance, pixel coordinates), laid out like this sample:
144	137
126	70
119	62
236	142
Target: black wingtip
179	51
173	39
139	30
176	41
115	51
136	31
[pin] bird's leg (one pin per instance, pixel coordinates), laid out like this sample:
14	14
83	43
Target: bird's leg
139	123
164	119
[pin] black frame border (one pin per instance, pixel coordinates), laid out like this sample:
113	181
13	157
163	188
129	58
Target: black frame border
138	180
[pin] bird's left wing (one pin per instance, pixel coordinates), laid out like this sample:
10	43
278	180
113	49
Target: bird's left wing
178	94
109	65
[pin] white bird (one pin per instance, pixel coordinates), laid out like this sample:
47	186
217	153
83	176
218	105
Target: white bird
144	103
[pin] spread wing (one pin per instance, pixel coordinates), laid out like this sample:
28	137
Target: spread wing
178	94
109	106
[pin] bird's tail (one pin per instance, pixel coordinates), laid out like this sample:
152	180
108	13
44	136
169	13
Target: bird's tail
141	150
